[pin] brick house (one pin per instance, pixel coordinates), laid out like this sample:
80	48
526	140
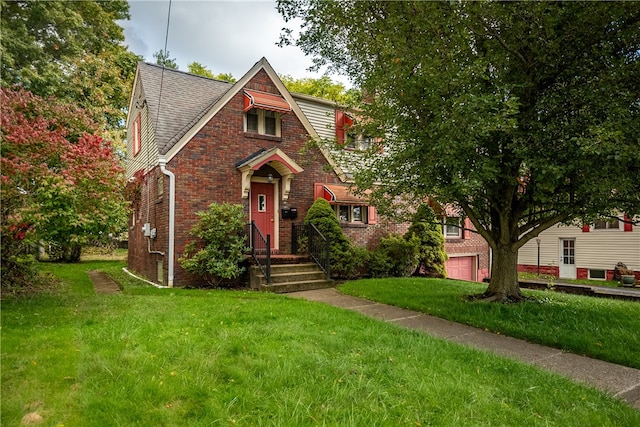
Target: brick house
192	141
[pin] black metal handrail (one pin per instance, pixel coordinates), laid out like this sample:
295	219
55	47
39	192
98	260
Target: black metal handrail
307	238
260	249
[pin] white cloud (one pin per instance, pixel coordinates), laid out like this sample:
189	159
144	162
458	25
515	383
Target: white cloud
224	36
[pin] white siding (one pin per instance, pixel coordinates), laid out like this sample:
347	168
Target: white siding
321	117
597	249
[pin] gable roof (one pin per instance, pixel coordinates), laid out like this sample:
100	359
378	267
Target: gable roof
176	100
180	104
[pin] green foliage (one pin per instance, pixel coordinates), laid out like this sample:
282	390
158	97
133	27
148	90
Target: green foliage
164	60
432	254
323	87
201	70
60	179
345	260
73	51
219	251
601	328
18	267
395	256
522	114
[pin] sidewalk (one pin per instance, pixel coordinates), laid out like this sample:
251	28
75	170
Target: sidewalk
621	381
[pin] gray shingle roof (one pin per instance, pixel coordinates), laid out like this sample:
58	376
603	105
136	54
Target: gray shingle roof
183	99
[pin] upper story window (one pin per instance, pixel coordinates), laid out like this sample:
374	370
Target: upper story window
607	224
263	122
349	136
136	135
263	112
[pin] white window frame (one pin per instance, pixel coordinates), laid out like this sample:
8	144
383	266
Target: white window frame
262	114
452	223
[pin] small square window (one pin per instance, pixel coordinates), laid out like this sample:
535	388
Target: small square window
452	228
262	203
597	274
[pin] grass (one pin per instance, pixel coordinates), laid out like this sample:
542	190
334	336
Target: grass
175	357
602	328
553	279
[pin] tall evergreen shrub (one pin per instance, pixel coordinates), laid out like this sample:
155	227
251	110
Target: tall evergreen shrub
344	257
432	255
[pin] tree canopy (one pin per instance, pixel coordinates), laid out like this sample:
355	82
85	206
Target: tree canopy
72	51
522	114
165	60
201	70
322	87
60	179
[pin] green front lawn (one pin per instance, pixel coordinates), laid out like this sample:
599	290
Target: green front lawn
152	357
602	328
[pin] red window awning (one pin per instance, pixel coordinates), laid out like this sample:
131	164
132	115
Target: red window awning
340	194
265	101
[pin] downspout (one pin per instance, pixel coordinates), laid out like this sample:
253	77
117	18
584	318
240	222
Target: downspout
172	212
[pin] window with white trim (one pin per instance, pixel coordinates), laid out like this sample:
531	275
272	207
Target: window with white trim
356	214
452	228
262	122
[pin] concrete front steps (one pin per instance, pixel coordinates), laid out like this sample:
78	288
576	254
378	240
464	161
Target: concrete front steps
301	276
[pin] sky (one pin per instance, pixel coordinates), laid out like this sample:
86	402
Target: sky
225	36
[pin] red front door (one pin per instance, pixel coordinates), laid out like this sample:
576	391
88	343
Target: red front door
262	208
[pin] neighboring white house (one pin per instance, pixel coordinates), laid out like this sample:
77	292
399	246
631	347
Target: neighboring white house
588	252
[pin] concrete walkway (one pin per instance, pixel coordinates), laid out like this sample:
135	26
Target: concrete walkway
102	283
621	381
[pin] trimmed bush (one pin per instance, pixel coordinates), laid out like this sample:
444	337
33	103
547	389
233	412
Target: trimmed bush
396	256
218	253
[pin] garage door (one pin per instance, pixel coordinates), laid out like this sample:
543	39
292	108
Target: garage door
460	268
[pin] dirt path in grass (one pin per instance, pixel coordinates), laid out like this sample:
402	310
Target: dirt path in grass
102	283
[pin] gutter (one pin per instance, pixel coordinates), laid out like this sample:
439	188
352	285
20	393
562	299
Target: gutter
172	214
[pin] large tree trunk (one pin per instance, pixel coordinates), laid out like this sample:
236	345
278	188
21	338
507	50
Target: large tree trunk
504	284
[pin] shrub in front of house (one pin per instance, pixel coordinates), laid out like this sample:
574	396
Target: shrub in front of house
432	255
218	252
395	256
346	259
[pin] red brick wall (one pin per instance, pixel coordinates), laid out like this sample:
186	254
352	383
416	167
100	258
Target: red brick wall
544	269
141	257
